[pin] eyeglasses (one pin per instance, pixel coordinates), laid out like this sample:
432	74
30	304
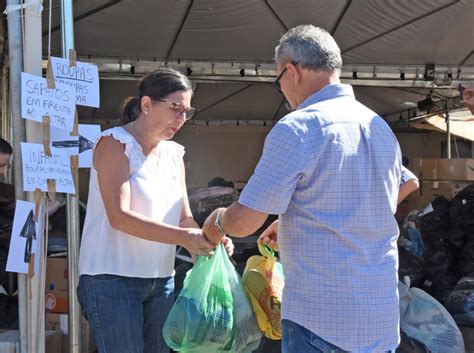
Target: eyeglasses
276	83
179	109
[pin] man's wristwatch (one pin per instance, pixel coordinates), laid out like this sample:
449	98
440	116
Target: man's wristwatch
218	223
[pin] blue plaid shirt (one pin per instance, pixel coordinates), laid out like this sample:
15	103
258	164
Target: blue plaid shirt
331	170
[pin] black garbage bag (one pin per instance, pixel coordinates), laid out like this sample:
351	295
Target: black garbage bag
437	259
465	261
443	286
219	181
412	266
461	212
438	234
410	345
438	218
460	302
455	238
8	312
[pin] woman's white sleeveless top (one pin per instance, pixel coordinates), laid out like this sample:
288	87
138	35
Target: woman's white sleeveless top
156	192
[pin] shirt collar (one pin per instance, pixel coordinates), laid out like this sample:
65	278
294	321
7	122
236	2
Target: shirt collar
328	92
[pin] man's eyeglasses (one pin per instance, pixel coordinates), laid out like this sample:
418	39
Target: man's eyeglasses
179	109
276	83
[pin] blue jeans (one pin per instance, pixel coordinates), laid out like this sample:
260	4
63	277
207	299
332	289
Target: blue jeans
126	315
297	339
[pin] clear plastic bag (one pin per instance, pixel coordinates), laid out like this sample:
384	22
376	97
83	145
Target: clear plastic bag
423	318
247	333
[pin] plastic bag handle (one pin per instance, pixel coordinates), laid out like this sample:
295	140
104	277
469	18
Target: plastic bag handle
265	250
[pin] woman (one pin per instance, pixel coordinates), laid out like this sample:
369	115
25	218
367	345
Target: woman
6	151
137	212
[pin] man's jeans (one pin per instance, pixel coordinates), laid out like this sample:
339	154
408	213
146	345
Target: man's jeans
126	315
297	339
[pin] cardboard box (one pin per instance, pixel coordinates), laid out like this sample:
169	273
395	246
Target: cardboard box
60	323
10	341
431	189
56	292
428	191
87	342
52	321
443	169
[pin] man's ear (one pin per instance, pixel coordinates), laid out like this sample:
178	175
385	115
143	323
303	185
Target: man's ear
295	73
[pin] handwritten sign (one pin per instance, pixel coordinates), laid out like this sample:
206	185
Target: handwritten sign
82	78
25	238
38	167
73	145
38	100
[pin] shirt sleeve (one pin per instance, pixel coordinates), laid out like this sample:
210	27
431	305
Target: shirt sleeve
407	175
278	172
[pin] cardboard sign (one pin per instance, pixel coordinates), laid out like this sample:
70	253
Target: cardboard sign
73	145
37	100
83	78
25	238
38	168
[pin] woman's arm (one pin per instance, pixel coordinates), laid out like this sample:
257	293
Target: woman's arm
113	176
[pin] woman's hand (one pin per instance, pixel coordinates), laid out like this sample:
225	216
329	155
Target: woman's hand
196	244
228	245
269	236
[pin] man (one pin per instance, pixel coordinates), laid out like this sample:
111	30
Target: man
331	171
5	154
409	183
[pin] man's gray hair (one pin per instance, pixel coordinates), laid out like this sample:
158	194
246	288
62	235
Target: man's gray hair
312	47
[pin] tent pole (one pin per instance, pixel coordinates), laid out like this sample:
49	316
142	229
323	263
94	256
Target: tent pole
448	134
67	38
15	56
32	48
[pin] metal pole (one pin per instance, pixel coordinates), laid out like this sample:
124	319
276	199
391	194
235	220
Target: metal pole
32	49
15	56
448	134
67	37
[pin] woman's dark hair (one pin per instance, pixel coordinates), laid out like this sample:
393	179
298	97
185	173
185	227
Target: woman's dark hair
5	147
157	84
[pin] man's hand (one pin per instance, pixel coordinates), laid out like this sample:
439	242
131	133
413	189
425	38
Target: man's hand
209	229
468	99
269	236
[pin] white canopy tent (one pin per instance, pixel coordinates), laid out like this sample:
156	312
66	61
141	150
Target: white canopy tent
385	44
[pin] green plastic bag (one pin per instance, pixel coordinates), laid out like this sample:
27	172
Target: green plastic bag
201	319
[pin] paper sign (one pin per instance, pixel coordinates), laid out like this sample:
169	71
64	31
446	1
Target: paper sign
25	239
38	100
83	78
38	167
90	133
73	145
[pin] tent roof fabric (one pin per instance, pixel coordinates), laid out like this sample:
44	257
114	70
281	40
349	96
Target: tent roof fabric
370	32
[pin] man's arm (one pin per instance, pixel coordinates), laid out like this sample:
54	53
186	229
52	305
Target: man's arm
407	188
236	220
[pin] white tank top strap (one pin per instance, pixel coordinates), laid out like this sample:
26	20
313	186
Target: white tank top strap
133	150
